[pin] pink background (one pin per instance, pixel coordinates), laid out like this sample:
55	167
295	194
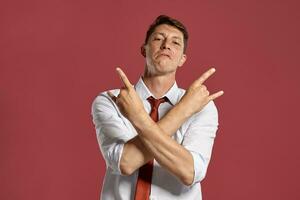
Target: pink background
56	56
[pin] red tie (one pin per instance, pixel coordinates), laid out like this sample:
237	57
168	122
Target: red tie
143	185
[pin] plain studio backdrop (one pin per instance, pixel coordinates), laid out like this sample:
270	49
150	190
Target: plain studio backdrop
56	56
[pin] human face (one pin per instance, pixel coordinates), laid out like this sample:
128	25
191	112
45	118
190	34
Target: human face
164	50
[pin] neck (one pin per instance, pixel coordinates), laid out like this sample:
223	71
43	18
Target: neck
159	84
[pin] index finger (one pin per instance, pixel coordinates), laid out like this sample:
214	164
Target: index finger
124	78
205	76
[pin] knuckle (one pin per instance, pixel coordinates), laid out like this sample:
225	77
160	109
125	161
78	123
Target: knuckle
122	92
191	88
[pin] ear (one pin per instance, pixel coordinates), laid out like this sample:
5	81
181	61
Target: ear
143	50
182	60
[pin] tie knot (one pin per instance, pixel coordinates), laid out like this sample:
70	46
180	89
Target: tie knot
156	102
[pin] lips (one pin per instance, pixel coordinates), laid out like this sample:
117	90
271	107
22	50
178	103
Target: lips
164	54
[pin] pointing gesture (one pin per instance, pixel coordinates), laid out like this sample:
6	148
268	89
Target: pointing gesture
195	98
205	76
197	95
124	78
128	101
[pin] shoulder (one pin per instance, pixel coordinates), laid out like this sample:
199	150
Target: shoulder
208	115
210	107
102	101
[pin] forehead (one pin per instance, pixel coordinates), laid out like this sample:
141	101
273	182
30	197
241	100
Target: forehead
168	30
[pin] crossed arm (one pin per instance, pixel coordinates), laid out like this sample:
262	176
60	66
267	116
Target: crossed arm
154	139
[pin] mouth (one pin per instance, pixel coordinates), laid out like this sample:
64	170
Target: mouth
164	55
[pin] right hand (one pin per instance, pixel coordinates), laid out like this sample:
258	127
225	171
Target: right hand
128	101
197	95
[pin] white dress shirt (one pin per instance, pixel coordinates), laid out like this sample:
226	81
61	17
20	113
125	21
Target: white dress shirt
114	130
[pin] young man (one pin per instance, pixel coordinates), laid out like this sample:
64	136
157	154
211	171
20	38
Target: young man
157	138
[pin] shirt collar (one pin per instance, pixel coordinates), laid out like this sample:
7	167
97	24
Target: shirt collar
144	92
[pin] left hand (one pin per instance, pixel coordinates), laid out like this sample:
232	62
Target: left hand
197	95
128	101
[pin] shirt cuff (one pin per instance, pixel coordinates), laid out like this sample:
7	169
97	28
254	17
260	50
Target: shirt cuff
200	167
114	158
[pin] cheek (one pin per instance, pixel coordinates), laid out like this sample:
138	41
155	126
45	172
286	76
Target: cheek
178	56
150	51
154	46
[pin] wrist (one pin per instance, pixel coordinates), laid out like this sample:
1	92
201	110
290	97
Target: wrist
141	120
184	109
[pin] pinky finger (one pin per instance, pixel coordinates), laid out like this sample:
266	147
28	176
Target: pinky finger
112	96
216	95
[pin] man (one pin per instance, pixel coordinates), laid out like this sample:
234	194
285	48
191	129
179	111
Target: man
156	138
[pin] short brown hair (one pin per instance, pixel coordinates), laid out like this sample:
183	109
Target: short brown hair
163	19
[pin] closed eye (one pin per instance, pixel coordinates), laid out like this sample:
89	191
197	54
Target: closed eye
177	43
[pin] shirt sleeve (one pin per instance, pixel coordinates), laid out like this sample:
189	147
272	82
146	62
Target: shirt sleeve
111	130
199	138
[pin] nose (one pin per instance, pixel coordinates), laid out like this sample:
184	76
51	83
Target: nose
165	44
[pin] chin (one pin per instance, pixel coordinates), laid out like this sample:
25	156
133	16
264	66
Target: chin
165	70
160	68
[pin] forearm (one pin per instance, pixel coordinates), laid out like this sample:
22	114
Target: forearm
135	154
156	136
166	151
173	120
